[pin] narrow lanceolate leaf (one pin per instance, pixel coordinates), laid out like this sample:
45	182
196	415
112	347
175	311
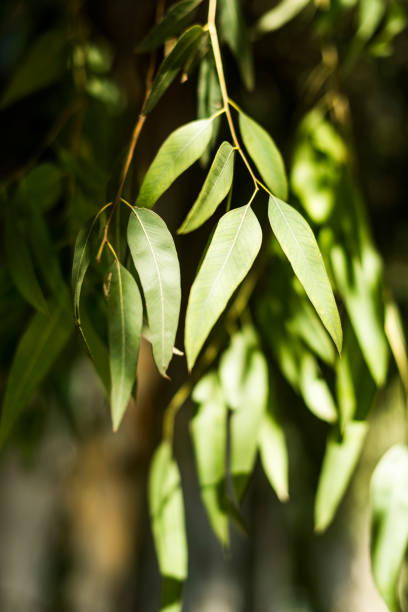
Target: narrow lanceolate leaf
339	461
234	31
185	47
265	155
20	266
167	516
284	12
274	455
389	494
215	188
155	257
40	345
80	264
231	253
175	20
125	318
178	152
300	247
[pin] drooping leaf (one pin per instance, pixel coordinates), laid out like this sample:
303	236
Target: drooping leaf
279	15
340	459
396	338
81	260
305	324
315	390
232	250
42	186
175	20
232	369
215	188
178	152
39	346
389	495
98	350
186	46
167	516
46	255
300	247
209	433
265	155
155	257
369	17
125	318
234	31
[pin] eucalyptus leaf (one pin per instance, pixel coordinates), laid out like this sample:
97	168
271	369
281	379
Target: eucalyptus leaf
125	318
175	20
81	260
279	15
178	152
98	351
215	189
300	247
230	255
274	455
42	186
234	31
155	257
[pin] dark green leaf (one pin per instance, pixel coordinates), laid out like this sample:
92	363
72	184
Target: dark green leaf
234	31
175	20
81	260
209	99
42	187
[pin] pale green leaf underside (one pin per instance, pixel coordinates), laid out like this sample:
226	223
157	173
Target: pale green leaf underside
178	152
215	188
176	18
233	248
265	155
125	318
274	455
155	257
300	247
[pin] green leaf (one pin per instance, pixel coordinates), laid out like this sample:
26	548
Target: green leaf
234	31
339	461
43	64
38	348
300	247
125	318
389	494
209	99
155	257
274	455
215	188
178	152
98	350
369	17
20	265
315	391
396	338
167	517
185	47
45	253
232	369
175	20
265	155
279	15
81	260
230	255
42	186
209	433
305	324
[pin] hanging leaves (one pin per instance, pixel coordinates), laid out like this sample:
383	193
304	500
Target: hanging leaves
175	20
274	455
235	33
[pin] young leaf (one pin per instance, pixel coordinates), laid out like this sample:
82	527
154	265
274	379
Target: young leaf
235	33
339	461
178	152
39	347
231	253
215	188
389	494
265	154
300	247
274	455
155	257
175	20
279	15
125	318
184	48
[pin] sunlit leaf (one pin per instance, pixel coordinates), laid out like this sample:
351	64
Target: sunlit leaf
186	46
274	453
178	152
234	31
175	20
300	247
315	390
215	189
396	337
279	15
305	324
125	318
155	257
369	16
265	155
233	364
233	248
389	494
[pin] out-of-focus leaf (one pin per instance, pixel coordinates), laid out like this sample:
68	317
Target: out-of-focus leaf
300	247
340	459
42	186
155	257
234	31
107	91
315	390
81	260
43	64
209	433
305	324
175	20
125	318
230	255
396	338
215	188
178	152
187	44
39	347
274	453
233	364
369	16
46	255
389	495
279	15
396	22
209	99
265	154
97	349
167	516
